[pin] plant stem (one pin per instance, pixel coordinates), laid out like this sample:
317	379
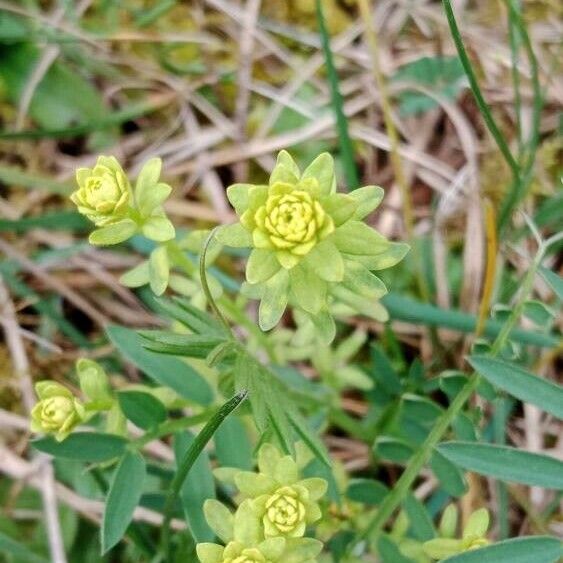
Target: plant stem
187	462
205	285
420	458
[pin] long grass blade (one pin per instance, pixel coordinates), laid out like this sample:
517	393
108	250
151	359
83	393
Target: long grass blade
346	148
481	103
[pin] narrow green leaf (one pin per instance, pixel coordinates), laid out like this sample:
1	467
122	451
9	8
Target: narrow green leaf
346	147
123	496
554	280
247	373
83	446
506	463
366	491
419	519
189	345
450	477
406	309
59	220
11	547
392	449
314	443
539	549
481	103
171	372
142	409
195	319
521	384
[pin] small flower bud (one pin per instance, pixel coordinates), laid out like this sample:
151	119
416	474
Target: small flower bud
57	412
94	383
103	193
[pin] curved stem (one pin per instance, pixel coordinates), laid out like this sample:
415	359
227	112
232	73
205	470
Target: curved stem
205	284
187	462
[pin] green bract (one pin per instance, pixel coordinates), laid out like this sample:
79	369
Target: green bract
57	412
105	196
310	246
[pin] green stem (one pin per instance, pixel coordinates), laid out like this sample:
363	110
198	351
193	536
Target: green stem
187	462
205	284
481	103
421	457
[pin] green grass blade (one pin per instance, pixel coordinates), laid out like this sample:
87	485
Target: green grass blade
190	457
520	185
346	148
407	309
481	103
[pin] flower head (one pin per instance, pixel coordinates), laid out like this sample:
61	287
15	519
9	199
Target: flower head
291	220
103	193
245	542
57	412
283	503
310	247
105	196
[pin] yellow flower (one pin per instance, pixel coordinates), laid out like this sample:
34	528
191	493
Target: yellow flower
103	193
293	220
285	513
57	412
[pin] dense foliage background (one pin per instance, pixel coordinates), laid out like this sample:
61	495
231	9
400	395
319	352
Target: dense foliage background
456	117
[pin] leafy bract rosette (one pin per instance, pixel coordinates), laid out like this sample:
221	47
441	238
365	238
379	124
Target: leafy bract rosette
271	520
245	542
310	246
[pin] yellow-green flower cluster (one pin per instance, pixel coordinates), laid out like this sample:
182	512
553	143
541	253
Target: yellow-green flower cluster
103	193
310	246
270	524
106	197
57	412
